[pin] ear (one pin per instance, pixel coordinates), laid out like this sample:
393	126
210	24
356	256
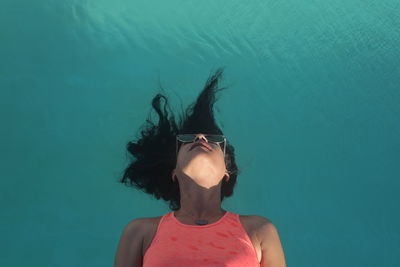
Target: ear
173	175
227	177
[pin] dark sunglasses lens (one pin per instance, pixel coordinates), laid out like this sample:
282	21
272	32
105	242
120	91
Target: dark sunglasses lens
215	138
186	138
192	137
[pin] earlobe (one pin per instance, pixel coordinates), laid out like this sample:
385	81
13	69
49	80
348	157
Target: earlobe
227	177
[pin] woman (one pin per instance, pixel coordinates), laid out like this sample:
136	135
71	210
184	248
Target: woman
192	166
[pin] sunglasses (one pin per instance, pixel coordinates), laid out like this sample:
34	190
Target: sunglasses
212	138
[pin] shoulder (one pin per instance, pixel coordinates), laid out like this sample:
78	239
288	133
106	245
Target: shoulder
136	226
130	246
266	226
133	228
260	219
139	228
141	223
258	222
272	250
263	226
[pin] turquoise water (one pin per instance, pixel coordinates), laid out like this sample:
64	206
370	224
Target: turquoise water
312	110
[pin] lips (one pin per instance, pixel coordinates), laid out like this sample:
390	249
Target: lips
201	144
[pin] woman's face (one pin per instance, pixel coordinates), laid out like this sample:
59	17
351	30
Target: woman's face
201	163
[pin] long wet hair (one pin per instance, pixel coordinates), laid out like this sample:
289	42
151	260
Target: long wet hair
154	151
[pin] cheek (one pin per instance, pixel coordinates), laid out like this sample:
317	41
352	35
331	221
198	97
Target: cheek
183	155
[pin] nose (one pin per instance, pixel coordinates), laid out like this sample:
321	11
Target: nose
200	136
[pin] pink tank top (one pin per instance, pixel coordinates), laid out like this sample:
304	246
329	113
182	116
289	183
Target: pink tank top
222	243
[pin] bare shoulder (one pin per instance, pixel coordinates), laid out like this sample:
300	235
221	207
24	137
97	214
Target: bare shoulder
129	248
142	224
133	232
150	221
136	225
133	227
143	220
265	228
267	234
260	220
133	240
256	222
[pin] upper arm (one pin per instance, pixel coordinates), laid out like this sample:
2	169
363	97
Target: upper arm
129	251
272	251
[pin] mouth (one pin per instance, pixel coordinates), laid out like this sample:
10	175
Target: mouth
203	144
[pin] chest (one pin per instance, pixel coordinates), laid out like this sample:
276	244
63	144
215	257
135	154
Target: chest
247	221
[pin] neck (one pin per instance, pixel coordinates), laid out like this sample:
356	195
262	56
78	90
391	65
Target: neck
201	204
200	198
200	214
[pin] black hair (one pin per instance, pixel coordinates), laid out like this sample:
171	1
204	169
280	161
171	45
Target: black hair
155	150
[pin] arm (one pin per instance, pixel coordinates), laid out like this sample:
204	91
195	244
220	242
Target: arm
129	251
272	251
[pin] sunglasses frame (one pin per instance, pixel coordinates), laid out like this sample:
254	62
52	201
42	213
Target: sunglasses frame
205	135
